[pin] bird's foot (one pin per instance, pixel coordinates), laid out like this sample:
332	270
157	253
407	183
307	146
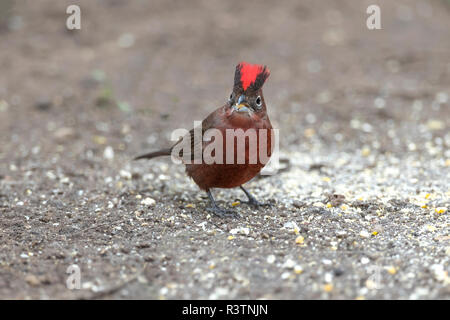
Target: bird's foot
252	200
223	213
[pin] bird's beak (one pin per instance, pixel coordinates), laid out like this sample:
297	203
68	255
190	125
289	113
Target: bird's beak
241	105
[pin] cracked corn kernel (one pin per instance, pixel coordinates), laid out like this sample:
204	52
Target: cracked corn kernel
299	240
391	270
326	179
374	233
99	139
440	210
298	269
329	205
190	205
309	132
365	152
328	287
230	237
236	203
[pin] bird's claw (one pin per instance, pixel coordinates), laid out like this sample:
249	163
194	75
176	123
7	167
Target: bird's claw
223	213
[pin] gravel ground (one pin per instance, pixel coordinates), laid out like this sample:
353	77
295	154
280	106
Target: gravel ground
359	210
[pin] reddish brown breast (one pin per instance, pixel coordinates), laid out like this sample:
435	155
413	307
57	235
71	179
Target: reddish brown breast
230	175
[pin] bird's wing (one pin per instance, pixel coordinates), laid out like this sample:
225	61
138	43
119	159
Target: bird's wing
188	140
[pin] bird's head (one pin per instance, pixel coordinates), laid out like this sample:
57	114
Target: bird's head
247	98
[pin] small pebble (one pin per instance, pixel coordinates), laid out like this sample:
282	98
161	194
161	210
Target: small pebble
288	264
32	280
271	259
240	230
364	234
148	202
108	154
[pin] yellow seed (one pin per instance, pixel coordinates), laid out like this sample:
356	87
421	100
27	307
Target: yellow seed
236	203
99	139
329	205
299	240
375	233
424	206
326	179
230	237
391	270
344	207
212	266
298	270
365	152
309	132
440	210
328	287
434	124
427	195
190	205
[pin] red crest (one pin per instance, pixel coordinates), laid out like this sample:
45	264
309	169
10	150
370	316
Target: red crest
250	75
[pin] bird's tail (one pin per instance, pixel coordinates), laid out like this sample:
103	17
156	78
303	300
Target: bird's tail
159	153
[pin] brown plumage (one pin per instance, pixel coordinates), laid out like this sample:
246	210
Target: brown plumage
246	110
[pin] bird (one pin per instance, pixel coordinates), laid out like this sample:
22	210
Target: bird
245	109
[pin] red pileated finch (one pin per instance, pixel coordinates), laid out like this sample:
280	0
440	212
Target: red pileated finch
244	110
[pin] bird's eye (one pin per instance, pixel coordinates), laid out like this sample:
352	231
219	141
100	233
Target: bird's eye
231	97
258	101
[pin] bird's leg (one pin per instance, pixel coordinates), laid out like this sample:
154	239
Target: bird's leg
251	199
218	211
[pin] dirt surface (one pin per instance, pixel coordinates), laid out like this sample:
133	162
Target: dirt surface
361	212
